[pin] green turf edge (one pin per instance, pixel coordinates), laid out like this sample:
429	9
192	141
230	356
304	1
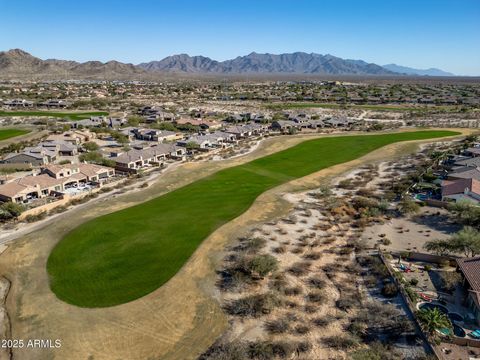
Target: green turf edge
10	133
122	256
66	115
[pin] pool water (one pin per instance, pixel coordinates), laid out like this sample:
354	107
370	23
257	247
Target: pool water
455	316
443	309
458	331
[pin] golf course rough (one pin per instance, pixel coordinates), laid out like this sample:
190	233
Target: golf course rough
122	256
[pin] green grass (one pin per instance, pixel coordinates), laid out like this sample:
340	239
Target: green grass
9	133
127	254
66	115
305	105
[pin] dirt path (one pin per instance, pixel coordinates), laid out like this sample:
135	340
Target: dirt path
177	321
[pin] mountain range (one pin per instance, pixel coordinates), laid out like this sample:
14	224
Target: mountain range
18	64
420	72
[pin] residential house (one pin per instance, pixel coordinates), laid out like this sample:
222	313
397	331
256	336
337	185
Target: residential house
285	125
473	151
99	121
53	180
18	103
470	162
470	270
74	137
26	157
315	124
57	104
62	148
156	135
134	159
202	141
202	124
466	172
461	190
339	122
239	131
44	153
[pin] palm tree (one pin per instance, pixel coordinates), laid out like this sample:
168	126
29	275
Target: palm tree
433	319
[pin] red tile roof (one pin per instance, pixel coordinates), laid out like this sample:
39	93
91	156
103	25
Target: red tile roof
470	268
452	187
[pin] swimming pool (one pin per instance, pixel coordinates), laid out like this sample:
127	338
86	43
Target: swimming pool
455	316
458	331
442	308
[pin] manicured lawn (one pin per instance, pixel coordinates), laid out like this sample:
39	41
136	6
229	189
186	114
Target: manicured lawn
125	255
9	133
67	115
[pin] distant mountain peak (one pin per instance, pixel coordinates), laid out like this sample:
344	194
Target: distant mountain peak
266	63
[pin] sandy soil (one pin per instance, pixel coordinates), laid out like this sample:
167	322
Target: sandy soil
177	321
411	233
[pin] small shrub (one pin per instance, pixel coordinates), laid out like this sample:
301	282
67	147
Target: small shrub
225	351
37	217
300	268
278	326
312	256
414	282
263	264
254	244
302	329
386	241
346	303
316	296
292	291
341	342
253	305
390	290
316	282
323	321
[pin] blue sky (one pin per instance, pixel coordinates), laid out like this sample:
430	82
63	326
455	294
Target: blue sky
416	33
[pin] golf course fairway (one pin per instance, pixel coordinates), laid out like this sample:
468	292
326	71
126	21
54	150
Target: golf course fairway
122	256
9	133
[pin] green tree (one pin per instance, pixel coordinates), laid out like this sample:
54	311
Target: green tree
466	242
134	120
119	137
433	319
192	145
90	146
439	247
466	213
408	206
10	210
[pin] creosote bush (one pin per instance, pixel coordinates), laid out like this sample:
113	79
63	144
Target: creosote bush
253	305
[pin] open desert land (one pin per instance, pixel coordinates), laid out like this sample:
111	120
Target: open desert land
324	288
182	318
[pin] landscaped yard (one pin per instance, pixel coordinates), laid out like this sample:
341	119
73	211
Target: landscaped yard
122	256
9	133
67	115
